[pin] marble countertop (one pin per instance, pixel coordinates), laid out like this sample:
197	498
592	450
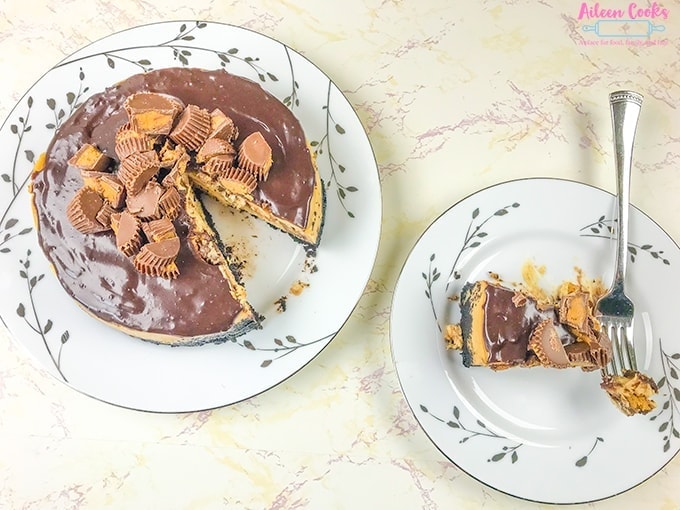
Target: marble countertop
454	96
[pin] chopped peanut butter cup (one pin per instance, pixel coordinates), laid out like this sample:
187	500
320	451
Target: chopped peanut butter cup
222	126
83	209
138	169
128	230
158	258
91	178
169	154
129	141
146	204
89	158
152	113
215	147
104	214
170	202
255	155
573	311
579	356
193	127
239	181
218	165
178	169
107	185
110	187
547	345
159	230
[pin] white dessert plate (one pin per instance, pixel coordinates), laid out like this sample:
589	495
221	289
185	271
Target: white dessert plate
317	292
540	434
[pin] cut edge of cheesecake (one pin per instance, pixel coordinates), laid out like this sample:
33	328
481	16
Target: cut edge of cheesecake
310	234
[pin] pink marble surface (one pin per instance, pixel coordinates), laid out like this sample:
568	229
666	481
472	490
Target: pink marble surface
454	96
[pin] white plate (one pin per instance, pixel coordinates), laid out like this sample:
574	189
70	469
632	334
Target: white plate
540	434
99	361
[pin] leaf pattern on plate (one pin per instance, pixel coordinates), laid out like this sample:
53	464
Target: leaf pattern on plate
37	323
9	227
508	451
73	101
183	47
430	277
286	346
584	460
481	431
475	235
336	166
669	384
606	229
291	100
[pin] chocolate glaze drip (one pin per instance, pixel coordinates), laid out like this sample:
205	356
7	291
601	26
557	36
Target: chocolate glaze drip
95	272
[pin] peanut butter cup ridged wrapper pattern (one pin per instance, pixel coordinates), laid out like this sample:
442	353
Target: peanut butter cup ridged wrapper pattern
193	127
129	141
82	211
255	155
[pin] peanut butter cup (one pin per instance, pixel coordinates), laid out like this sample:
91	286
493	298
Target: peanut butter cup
237	180
104	214
546	343
83	209
138	169
128	230
129	141
193	127
110	187
171	202
152	113
90	158
217	166
158	258
215	147
146	204
222	126
255	155
178	169
159	230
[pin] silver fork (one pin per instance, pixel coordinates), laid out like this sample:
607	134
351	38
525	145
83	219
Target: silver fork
615	308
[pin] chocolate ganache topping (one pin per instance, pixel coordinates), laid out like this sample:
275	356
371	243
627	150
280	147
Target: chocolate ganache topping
509	325
92	268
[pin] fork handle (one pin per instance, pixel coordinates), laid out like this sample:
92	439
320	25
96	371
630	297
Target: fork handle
625	110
